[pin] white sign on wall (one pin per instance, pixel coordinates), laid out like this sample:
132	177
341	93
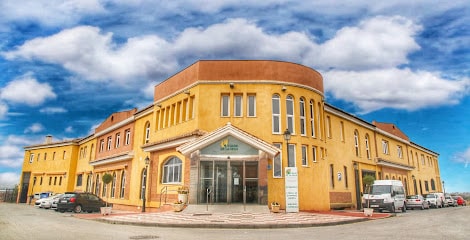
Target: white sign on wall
292	189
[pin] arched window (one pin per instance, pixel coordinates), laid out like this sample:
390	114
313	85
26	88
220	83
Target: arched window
172	170
367	146
433	184
276	111
113	185
123	184
312	118
97	184
147	132
303	123
89	183
143	180
290	114
356	143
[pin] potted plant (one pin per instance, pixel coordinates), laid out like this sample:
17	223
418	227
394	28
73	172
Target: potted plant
275	207
183	194
368	180
106	178
178	206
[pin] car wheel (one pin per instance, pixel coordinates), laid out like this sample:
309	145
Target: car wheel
77	209
392	208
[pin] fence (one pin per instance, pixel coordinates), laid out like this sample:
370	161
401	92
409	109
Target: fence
8	195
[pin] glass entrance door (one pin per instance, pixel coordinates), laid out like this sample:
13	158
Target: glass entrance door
228	181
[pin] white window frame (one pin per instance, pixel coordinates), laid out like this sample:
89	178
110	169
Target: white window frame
225	105
290	119
147	132
110	141
304	155
385	147
277	162
113	186
238	105
251	105
31	158
303	122
312	119
400	152
328	126
314	154
276	111
367	146
123	185
128	137
118	140
356	143
291	159
172	167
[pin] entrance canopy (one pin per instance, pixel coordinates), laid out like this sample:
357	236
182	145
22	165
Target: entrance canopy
228	140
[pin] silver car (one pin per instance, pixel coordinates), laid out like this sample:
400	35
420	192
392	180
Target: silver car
416	201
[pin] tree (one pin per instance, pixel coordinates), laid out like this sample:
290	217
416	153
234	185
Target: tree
107	178
368	180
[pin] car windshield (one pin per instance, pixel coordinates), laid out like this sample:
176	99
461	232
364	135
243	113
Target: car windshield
68	195
430	196
380	189
412	197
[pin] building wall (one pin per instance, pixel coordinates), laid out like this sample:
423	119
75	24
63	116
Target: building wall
188	104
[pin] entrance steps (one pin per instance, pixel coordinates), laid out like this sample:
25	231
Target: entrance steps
225	208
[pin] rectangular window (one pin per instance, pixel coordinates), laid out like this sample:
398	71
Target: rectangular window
332	176
39	155
118	139
290	114
346	177
31	158
127	140
79	180
314	154
304	155
225	105
399	152
251	106
237	105
63	156
55	180
184	110
53	156
50	181
384	147
291	157
341	131
123	185
423	162
367	147
426	186
45	156
277	162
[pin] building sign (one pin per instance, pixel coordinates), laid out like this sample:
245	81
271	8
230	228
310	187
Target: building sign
292	189
229	146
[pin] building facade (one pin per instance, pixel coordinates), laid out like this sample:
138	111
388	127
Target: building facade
218	128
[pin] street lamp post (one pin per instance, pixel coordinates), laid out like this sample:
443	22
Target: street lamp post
144	190
443	188
287	136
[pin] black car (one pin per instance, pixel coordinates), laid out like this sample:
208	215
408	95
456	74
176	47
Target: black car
80	202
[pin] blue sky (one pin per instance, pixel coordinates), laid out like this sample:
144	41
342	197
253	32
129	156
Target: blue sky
66	65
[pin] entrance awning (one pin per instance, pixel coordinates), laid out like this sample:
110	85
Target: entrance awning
224	132
385	163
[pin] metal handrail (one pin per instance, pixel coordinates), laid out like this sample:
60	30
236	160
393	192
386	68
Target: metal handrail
164	190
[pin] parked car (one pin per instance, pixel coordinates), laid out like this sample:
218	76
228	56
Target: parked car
55	200
460	201
46	202
40	198
80	202
434	200
450	201
416	201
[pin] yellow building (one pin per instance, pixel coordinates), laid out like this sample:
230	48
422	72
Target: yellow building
243	132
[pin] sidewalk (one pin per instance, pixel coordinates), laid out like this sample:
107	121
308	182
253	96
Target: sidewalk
246	219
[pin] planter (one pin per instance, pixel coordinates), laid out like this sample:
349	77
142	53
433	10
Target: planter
183	197
275	208
368	212
106	210
178	207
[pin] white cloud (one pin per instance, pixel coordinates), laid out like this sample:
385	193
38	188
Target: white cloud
394	88
86	51
463	157
52	110
9	179
69	129
3	110
49	12
380	42
27	90
34	128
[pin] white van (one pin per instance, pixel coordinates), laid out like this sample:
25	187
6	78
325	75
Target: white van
385	195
